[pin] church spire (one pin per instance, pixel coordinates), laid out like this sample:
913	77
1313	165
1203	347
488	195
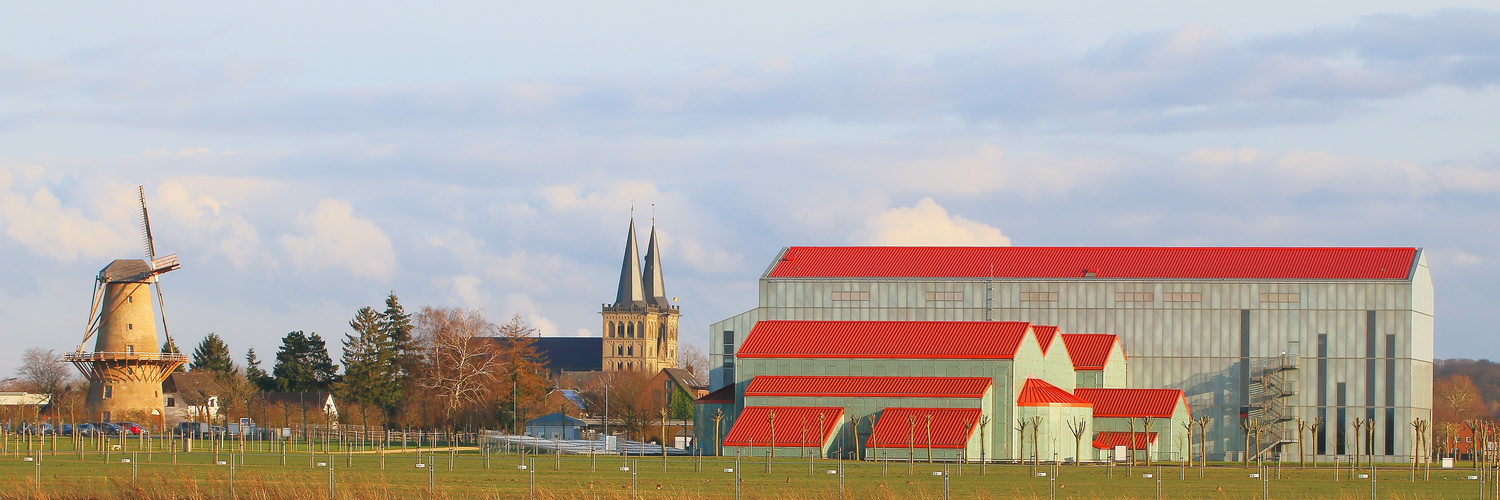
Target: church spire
631	292
656	292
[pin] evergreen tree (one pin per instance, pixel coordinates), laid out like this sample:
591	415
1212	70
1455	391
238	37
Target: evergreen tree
370	373
212	354
681	404
170	347
254	374
395	323
303	365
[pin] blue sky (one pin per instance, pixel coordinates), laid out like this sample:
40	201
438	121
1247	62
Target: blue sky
305	158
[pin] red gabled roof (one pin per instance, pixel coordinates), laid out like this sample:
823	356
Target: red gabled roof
894	430
885	339
1104	262
753	428
868	387
1044	335
1038	392
1089	351
1108	440
721	396
1132	403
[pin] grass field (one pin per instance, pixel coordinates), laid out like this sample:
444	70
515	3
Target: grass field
467	474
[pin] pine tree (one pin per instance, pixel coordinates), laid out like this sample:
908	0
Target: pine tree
212	354
303	365
253	372
395	323
370	373
170	347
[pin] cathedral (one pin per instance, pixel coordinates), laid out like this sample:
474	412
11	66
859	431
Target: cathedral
640	327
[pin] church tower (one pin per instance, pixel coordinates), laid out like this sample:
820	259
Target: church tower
640	327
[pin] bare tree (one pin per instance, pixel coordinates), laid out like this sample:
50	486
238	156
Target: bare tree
692	359
43	371
460	361
1079	427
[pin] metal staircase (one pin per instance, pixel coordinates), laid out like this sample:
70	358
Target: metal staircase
1273	384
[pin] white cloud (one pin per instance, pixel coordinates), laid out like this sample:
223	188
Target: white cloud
1466	259
1301	171
928	224
211	219
332	237
40	222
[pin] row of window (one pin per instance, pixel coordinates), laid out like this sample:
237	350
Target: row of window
850	296
1052	296
1280	297
629	330
1038	296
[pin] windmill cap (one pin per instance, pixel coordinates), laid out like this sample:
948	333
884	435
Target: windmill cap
125	271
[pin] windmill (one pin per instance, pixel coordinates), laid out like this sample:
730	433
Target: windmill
126	368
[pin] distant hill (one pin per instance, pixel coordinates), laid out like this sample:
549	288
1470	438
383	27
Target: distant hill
1485	373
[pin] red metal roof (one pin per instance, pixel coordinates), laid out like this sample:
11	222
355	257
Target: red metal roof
894	430
1089	351
868	387
1044	335
1038	392
1132	403
885	339
1104	262
753	428
1108	440
720	396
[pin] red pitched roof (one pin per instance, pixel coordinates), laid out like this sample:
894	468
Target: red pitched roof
752	428
1037	392
868	387
894	430
1105	262
1132	403
1044	335
1089	351
721	396
885	339
1108	440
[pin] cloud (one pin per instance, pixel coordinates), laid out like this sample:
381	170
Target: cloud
211	221
1195	77
332	237
1299	172
927	224
1466	259
42	223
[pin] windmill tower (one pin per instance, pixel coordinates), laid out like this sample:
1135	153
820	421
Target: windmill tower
126	368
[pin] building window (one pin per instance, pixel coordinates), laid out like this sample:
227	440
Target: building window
1133	297
129	299
171	402
129	349
630	351
109	391
630	330
1182	297
1038	296
106	417
728	357
936	296
130	326
611	329
850	296
1280	297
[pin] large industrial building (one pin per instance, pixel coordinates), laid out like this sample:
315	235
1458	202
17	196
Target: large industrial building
1263	335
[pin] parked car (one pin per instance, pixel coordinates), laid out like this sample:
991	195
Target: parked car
85	429
131	427
107	428
197	430
65	430
42	428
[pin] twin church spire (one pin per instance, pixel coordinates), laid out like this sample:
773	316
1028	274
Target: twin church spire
637	288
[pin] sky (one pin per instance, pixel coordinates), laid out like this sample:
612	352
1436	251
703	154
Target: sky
307	158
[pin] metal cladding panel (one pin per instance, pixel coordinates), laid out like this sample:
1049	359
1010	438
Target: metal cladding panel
885	339
894	427
867	387
1044	336
753	427
1089	351
1102	262
1107	440
1132	403
1037	392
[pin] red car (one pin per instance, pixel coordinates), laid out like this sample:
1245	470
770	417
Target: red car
130	427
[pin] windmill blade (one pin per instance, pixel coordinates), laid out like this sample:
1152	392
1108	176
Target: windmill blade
94	314
146	226
161	307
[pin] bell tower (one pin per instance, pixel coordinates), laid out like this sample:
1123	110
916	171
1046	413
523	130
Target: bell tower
640	327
